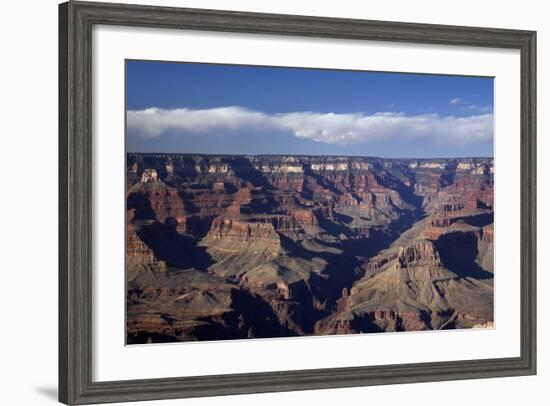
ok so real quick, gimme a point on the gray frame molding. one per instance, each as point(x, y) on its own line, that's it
point(75, 180)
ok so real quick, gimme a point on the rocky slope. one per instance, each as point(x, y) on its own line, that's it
point(225, 247)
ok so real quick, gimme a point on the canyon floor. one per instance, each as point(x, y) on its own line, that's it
point(230, 247)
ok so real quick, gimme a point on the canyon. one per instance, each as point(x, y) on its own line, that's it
point(230, 247)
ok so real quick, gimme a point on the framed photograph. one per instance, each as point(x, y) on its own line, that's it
point(258, 203)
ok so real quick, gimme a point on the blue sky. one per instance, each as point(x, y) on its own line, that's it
point(210, 108)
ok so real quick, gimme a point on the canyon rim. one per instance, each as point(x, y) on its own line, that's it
point(254, 214)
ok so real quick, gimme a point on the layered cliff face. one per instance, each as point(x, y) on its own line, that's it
point(222, 247)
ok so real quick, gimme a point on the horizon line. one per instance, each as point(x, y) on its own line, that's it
point(307, 155)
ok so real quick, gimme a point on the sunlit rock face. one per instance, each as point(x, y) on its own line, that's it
point(230, 247)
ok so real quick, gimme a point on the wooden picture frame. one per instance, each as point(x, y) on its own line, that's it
point(76, 20)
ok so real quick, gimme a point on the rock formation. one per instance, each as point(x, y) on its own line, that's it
point(223, 247)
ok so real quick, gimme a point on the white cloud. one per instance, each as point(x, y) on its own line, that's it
point(478, 108)
point(331, 128)
point(471, 107)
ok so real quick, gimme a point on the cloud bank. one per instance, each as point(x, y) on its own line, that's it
point(328, 128)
